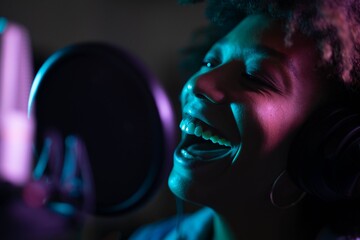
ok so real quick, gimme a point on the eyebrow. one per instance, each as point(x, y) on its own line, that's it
point(286, 62)
point(283, 59)
point(258, 49)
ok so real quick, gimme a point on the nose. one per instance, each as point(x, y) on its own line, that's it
point(216, 85)
point(208, 88)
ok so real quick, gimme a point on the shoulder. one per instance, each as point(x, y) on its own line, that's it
point(193, 226)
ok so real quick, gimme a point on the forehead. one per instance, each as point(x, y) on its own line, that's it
point(259, 38)
point(260, 32)
point(253, 29)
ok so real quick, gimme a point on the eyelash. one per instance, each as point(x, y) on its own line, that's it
point(267, 84)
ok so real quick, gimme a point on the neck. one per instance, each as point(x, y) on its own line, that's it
point(270, 224)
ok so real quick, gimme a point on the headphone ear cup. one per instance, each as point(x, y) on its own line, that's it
point(324, 158)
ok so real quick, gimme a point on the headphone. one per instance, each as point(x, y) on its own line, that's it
point(324, 159)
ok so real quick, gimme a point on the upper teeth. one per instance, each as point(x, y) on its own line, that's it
point(193, 128)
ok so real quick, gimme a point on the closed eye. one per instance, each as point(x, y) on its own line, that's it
point(260, 83)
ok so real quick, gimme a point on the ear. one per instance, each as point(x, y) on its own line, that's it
point(324, 159)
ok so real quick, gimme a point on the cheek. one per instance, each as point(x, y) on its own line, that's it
point(273, 125)
point(276, 124)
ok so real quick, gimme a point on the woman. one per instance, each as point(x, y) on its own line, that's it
point(258, 85)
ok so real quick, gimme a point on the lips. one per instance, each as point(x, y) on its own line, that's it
point(203, 143)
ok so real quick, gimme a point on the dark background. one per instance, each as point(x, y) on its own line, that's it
point(155, 31)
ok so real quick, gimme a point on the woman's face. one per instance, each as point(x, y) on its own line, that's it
point(241, 110)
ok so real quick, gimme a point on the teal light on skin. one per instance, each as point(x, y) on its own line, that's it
point(255, 91)
point(3, 23)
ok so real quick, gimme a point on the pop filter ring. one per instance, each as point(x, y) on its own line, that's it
point(158, 108)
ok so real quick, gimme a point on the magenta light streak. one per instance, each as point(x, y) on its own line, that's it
point(16, 130)
point(164, 106)
point(167, 115)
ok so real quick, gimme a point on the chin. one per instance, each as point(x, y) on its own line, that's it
point(196, 175)
point(179, 185)
point(198, 183)
point(186, 189)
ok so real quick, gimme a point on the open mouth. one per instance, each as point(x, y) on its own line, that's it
point(201, 142)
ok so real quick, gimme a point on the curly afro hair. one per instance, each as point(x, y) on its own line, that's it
point(335, 24)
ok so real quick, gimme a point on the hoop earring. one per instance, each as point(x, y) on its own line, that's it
point(273, 190)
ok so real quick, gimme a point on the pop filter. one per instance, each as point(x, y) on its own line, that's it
point(107, 98)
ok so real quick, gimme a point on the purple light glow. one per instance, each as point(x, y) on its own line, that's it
point(167, 116)
point(16, 130)
point(16, 69)
point(166, 111)
point(15, 148)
